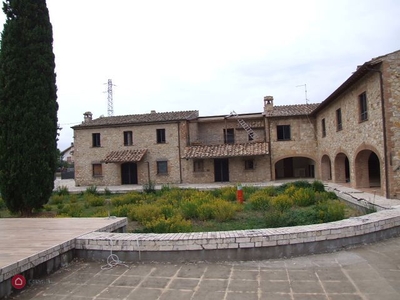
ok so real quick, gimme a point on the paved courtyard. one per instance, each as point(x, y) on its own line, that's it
point(367, 272)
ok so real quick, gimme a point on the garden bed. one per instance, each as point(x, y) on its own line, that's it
point(189, 210)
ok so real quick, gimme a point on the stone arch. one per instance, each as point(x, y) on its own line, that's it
point(294, 167)
point(342, 168)
point(326, 168)
point(367, 169)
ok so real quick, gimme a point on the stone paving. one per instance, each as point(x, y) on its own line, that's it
point(368, 272)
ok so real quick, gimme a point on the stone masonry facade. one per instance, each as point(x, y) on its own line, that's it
point(351, 137)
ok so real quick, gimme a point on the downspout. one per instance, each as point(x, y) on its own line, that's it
point(268, 140)
point(179, 153)
point(387, 194)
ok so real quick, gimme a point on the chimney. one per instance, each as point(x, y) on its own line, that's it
point(87, 117)
point(152, 111)
point(268, 104)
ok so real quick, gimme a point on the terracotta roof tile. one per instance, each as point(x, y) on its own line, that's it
point(142, 118)
point(125, 156)
point(226, 150)
point(292, 110)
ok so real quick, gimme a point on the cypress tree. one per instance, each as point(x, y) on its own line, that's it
point(28, 106)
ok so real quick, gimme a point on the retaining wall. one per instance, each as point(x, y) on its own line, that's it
point(241, 244)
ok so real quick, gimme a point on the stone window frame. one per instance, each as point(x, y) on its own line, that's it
point(198, 165)
point(363, 107)
point(162, 167)
point(283, 132)
point(323, 126)
point(128, 138)
point(96, 140)
point(97, 169)
point(161, 139)
point(339, 122)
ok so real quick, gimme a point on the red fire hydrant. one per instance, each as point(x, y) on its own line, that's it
point(239, 194)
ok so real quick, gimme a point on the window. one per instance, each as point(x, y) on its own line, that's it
point(128, 140)
point(249, 164)
point(363, 107)
point(97, 170)
point(323, 128)
point(283, 132)
point(339, 125)
point(229, 136)
point(162, 167)
point(95, 139)
point(198, 165)
point(160, 136)
point(251, 136)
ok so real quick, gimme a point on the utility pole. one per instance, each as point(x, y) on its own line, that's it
point(110, 107)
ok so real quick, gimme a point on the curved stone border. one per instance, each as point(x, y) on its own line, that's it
point(241, 244)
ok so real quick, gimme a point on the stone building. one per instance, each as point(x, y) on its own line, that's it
point(351, 137)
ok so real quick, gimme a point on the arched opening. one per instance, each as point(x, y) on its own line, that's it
point(368, 171)
point(295, 167)
point(326, 169)
point(342, 168)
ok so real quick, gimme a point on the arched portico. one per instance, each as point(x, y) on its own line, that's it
point(342, 168)
point(295, 167)
point(367, 169)
point(326, 168)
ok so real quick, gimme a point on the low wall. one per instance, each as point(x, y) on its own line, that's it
point(241, 244)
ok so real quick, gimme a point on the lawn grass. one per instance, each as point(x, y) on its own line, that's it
point(190, 210)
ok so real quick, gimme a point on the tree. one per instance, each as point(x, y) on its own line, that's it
point(28, 106)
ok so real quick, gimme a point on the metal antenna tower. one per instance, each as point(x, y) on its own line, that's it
point(305, 91)
point(110, 110)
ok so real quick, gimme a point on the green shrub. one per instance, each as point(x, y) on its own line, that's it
point(145, 213)
point(129, 198)
point(282, 202)
point(206, 211)
point(101, 212)
point(304, 197)
point(62, 190)
point(167, 210)
point(169, 225)
point(73, 210)
point(275, 218)
point(259, 200)
point(329, 211)
point(189, 209)
point(223, 210)
point(2, 203)
point(56, 199)
point(318, 186)
point(91, 190)
point(122, 210)
point(93, 200)
point(229, 193)
point(47, 207)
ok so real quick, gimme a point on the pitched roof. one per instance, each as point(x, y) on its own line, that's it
point(141, 118)
point(226, 150)
point(125, 156)
point(292, 110)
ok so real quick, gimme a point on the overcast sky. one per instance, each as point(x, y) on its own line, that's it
point(212, 56)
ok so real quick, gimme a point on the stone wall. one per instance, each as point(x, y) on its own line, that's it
point(301, 144)
point(144, 137)
point(356, 136)
point(391, 86)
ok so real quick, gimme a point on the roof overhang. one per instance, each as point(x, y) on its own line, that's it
point(226, 150)
point(124, 156)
